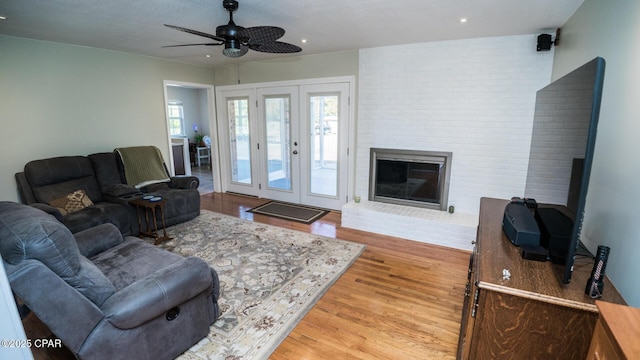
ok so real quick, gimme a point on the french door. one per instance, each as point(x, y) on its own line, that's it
point(278, 128)
point(325, 125)
point(287, 143)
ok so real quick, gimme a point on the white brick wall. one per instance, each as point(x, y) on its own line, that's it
point(425, 225)
point(472, 97)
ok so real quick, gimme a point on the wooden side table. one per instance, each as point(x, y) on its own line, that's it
point(150, 208)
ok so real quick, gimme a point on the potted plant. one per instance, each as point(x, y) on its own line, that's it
point(198, 139)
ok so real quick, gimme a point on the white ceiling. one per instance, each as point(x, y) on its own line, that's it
point(136, 26)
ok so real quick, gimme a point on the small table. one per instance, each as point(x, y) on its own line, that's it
point(203, 153)
point(150, 208)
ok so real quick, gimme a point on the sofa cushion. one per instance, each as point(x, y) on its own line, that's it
point(116, 263)
point(91, 282)
point(72, 202)
point(28, 233)
point(106, 169)
point(100, 213)
point(182, 205)
point(56, 177)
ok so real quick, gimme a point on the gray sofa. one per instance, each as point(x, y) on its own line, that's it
point(105, 296)
point(101, 177)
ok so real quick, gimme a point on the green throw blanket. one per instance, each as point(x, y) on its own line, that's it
point(143, 165)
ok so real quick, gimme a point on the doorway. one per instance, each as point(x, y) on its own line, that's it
point(190, 116)
point(287, 142)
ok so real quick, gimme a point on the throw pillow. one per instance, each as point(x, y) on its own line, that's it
point(71, 203)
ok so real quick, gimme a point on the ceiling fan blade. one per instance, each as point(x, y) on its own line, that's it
point(235, 53)
point(207, 44)
point(238, 40)
point(275, 47)
point(262, 34)
point(195, 32)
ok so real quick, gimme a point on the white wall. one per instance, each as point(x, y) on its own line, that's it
point(195, 107)
point(475, 98)
point(611, 29)
point(61, 100)
point(11, 325)
point(343, 63)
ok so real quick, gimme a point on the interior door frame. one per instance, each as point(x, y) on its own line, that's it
point(213, 128)
point(351, 137)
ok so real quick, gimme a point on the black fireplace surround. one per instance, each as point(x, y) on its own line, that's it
point(410, 177)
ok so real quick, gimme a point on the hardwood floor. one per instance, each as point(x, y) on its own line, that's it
point(400, 300)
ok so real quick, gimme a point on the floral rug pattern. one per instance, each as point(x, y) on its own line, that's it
point(270, 277)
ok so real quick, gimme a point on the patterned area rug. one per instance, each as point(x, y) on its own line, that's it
point(270, 278)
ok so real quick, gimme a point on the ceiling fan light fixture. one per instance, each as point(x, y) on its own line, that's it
point(232, 45)
point(230, 52)
point(232, 48)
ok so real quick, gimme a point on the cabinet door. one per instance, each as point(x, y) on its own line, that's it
point(601, 346)
point(514, 327)
point(468, 311)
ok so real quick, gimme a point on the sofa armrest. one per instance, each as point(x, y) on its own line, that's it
point(184, 182)
point(97, 239)
point(66, 312)
point(24, 188)
point(51, 210)
point(154, 295)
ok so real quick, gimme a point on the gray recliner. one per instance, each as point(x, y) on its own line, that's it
point(105, 296)
point(47, 179)
point(183, 198)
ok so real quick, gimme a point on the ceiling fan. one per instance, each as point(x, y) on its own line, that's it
point(237, 40)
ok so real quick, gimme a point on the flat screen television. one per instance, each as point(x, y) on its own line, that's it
point(562, 147)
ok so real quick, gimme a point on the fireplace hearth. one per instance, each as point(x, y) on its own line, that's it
point(410, 177)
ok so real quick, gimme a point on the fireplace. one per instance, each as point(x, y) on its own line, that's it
point(410, 177)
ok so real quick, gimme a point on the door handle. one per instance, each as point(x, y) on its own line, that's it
point(295, 152)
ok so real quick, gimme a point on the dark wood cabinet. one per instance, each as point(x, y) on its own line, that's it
point(528, 315)
point(178, 159)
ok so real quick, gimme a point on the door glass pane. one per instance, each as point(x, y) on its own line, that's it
point(278, 142)
point(323, 169)
point(238, 115)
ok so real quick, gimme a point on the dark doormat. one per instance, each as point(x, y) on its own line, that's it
point(295, 212)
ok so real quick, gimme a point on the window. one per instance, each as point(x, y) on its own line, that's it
point(176, 118)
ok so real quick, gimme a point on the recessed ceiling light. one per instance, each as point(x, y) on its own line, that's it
point(2, 17)
point(304, 41)
point(463, 20)
point(208, 56)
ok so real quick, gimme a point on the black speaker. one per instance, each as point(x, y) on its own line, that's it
point(555, 233)
point(595, 284)
point(544, 42)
